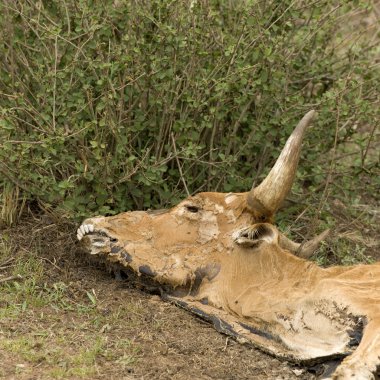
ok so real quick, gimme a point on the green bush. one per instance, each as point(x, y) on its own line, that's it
point(107, 105)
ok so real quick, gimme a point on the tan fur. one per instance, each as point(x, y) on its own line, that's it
point(310, 310)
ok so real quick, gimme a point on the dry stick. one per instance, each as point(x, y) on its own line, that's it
point(34, 126)
point(67, 18)
point(225, 345)
point(6, 262)
point(179, 165)
point(368, 144)
point(215, 126)
point(24, 142)
point(311, 34)
point(237, 124)
point(11, 179)
point(333, 159)
point(11, 278)
point(54, 265)
point(253, 42)
point(7, 267)
point(55, 78)
point(348, 39)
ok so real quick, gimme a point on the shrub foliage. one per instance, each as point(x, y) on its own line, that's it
point(107, 105)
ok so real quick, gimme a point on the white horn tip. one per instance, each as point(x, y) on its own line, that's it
point(309, 116)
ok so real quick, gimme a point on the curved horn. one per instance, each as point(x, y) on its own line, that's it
point(268, 196)
point(306, 249)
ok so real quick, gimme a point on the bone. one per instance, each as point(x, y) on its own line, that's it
point(99, 244)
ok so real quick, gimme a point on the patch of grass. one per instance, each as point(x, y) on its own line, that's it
point(61, 373)
point(342, 252)
point(63, 328)
point(59, 355)
point(127, 350)
point(65, 350)
point(354, 228)
point(12, 204)
point(88, 355)
point(5, 248)
point(32, 291)
point(25, 347)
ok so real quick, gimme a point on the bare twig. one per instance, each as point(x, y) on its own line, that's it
point(375, 125)
point(50, 262)
point(225, 345)
point(7, 266)
point(11, 278)
point(7, 262)
point(67, 18)
point(179, 165)
point(7, 174)
point(55, 78)
point(329, 179)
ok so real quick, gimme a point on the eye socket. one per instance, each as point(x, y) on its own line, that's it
point(192, 208)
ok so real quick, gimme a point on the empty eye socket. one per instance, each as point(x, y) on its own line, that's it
point(192, 208)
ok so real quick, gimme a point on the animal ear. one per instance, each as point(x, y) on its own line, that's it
point(254, 235)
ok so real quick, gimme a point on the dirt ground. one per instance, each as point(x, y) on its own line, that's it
point(64, 317)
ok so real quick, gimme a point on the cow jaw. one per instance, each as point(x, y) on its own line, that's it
point(95, 240)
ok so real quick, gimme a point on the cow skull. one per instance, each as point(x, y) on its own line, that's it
point(220, 257)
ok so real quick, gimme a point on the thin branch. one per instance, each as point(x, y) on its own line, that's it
point(11, 278)
point(179, 165)
point(54, 265)
point(7, 262)
point(375, 125)
point(55, 78)
point(7, 267)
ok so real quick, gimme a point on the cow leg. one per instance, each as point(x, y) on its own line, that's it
point(362, 364)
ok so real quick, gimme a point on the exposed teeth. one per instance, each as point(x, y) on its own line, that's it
point(84, 229)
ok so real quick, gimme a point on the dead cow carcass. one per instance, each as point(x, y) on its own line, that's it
point(220, 257)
